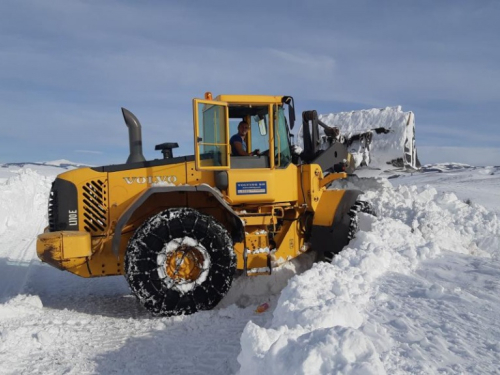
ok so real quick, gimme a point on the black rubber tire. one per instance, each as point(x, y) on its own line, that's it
point(144, 274)
point(357, 207)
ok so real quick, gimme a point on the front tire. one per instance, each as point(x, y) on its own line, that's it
point(359, 206)
point(353, 217)
point(180, 261)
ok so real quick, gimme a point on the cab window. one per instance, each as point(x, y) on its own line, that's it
point(211, 133)
point(283, 155)
point(257, 116)
point(259, 131)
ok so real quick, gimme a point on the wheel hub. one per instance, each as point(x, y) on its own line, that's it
point(183, 264)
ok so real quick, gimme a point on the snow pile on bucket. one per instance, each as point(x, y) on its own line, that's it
point(394, 148)
point(321, 323)
point(385, 148)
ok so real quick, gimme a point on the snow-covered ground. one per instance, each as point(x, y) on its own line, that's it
point(416, 292)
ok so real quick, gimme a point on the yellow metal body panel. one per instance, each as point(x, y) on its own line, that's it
point(258, 220)
point(309, 178)
point(239, 250)
point(257, 241)
point(126, 186)
point(258, 264)
point(65, 249)
point(332, 177)
point(257, 253)
point(249, 99)
point(325, 212)
point(289, 241)
point(263, 185)
point(255, 248)
point(75, 245)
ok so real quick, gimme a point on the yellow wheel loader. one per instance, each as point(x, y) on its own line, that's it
point(178, 228)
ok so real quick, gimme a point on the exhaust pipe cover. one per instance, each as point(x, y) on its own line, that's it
point(135, 137)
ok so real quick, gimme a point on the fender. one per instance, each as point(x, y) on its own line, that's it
point(237, 231)
point(331, 222)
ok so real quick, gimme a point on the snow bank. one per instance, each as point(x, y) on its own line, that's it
point(61, 163)
point(24, 202)
point(320, 324)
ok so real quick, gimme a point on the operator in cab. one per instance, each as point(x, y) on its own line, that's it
point(237, 141)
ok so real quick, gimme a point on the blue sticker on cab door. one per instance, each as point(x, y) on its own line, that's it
point(254, 187)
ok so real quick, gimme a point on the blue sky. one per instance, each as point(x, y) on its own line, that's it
point(66, 68)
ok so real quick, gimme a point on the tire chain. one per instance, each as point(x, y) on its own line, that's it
point(357, 207)
point(142, 272)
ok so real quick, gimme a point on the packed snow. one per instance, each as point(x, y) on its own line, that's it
point(416, 292)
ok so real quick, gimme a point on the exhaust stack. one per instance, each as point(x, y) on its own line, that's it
point(135, 137)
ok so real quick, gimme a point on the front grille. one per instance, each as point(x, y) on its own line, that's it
point(94, 206)
point(63, 202)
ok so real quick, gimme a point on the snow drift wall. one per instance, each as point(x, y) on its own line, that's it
point(321, 324)
point(24, 202)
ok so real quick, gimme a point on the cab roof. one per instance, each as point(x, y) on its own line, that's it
point(250, 99)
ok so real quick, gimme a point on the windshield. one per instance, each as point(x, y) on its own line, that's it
point(281, 143)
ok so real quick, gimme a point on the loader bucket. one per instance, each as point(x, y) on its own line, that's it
point(381, 141)
point(392, 145)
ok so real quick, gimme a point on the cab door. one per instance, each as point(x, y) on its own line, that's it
point(211, 135)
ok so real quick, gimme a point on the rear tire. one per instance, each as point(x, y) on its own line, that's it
point(180, 261)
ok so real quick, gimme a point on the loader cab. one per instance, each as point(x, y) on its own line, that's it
point(257, 137)
point(246, 180)
point(215, 121)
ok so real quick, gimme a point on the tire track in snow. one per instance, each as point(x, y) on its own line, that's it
point(64, 340)
point(205, 343)
point(104, 329)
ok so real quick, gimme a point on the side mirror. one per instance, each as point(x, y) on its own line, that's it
point(261, 121)
point(291, 109)
point(262, 127)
